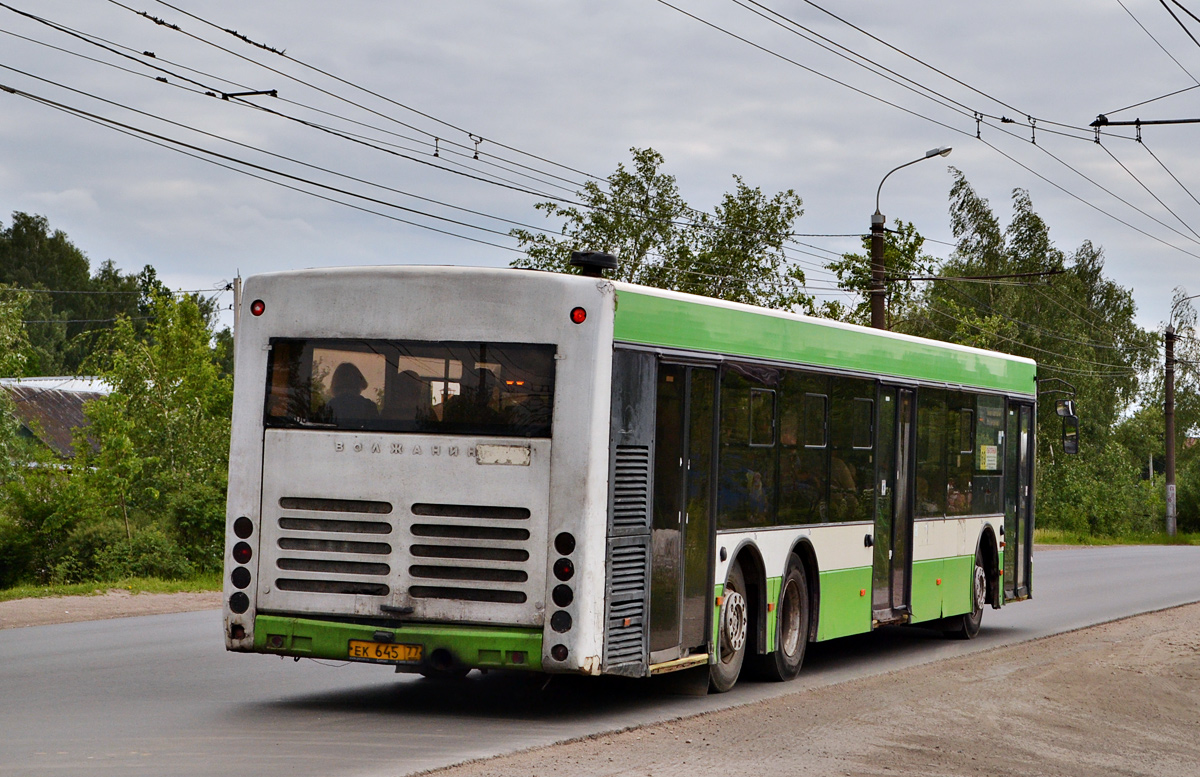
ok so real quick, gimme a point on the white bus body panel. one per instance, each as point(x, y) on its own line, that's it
point(565, 486)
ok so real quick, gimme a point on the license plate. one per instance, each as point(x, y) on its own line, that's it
point(388, 652)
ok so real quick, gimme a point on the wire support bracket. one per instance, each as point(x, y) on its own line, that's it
point(267, 92)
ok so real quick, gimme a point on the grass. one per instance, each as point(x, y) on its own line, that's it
point(1060, 537)
point(137, 585)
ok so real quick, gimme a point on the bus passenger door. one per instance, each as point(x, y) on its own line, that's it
point(681, 532)
point(893, 505)
point(1018, 502)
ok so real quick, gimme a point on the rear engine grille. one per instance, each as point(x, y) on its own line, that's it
point(464, 553)
point(631, 488)
point(625, 616)
point(335, 546)
point(469, 573)
point(332, 587)
point(347, 526)
point(329, 525)
point(333, 567)
point(471, 511)
point(335, 505)
point(479, 554)
point(470, 532)
point(475, 552)
point(466, 594)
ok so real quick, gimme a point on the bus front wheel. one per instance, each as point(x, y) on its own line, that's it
point(733, 628)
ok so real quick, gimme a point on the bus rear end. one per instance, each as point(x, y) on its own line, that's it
point(416, 466)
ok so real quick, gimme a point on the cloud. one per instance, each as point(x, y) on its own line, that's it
point(69, 201)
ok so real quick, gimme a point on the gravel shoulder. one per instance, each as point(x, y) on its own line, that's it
point(1119, 698)
point(114, 604)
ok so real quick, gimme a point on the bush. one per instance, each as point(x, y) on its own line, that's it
point(1187, 496)
point(149, 553)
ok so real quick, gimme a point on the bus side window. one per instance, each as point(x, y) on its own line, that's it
point(803, 450)
point(746, 485)
point(931, 453)
point(852, 462)
point(960, 459)
point(989, 454)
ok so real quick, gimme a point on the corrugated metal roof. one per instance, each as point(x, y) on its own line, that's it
point(50, 414)
point(62, 383)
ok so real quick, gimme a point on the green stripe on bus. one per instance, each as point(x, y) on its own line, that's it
point(926, 593)
point(845, 603)
point(654, 320)
point(477, 646)
point(773, 586)
point(932, 599)
point(957, 585)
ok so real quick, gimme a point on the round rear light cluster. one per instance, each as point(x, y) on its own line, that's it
point(578, 315)
point(562, 595)
point(258, 307)
point(242, 552)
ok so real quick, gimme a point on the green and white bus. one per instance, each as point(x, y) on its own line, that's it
point(443, 468)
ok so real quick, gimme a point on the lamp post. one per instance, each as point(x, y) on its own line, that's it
point(878, 316)
point(1169, 414)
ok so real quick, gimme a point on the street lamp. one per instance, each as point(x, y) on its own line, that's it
point(1169, 413)
point(878, 318)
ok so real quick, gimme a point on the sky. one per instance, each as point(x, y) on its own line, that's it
point(549, 93)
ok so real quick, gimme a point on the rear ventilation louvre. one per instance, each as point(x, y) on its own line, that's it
point(331, 525)
point(439, 554)
point(631, 488)
point(471, 511)
point(335, 505)
point(625, 610)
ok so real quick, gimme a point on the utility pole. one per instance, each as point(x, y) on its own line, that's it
point(1169, 416)
point(878, 311)
point(878, 276)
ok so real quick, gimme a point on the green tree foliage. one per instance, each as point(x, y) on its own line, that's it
point(145, 493)
point(14, 340)
point(733, 253)
point(34, 257)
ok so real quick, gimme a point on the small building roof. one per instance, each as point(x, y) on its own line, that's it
point(51, 408)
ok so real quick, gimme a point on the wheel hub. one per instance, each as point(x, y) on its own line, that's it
point(980, 588)
point(733, 621)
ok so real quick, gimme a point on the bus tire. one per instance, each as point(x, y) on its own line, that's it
point(732, 632)
point(967, 624)
point(793, 620)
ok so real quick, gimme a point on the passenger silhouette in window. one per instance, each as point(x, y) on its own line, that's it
point(408, 398)
point(348, 406)
point(478, 403)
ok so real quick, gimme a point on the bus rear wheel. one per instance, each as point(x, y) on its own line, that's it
point(733, 628)
point(967, 624)
point(792, 624)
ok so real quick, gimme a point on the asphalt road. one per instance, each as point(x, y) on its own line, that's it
point(159, 695)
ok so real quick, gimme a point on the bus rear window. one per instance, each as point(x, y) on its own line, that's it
point(503, 390)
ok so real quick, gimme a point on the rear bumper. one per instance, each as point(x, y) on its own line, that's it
point(477, 647)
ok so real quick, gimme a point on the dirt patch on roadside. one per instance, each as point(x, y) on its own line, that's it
point(114, 604)
point(1120, 698)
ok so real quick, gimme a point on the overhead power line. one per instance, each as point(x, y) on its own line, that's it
point(1035, 123)
point(1164, 49)
point(214, 157)
point(471, 135)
